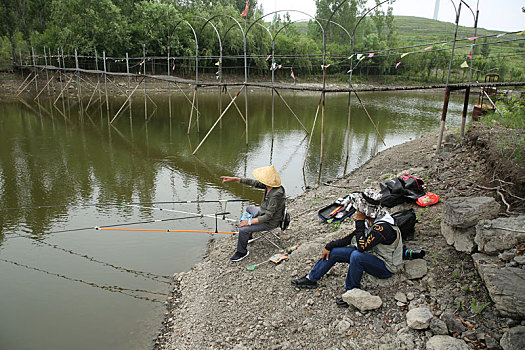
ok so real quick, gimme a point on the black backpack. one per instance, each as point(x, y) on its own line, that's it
point(406, 221)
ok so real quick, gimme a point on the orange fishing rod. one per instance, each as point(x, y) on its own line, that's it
point(161, 230)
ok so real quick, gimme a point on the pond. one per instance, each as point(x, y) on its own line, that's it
point(66, 284)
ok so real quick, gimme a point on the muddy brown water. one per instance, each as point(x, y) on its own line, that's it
point(65, 284)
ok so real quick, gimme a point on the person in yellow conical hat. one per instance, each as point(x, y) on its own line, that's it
point(266, 217)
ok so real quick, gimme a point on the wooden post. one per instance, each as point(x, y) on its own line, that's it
point(106, 83)
point(169, 87)
point(34, 68)
point(127, 71)
point(145, 96)
point(443, 117)
point(47, 73)
point(127, 68)
point(79, 91)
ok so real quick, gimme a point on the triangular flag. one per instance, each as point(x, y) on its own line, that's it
point(403, 55)
point(292, 75)
point(362, 57)
point(397, 64)
point(473, 38)
point(428, 48)
point(500, 35)
point(267, 58)
point(359, 55)
point(371, 54)
point(245, 12)
point(351, 57)
point(470, 54)
point(521, 33)
point(443, 44)
point(218, 63)
point(464, 65)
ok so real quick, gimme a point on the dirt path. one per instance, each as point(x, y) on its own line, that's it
point(223, 305)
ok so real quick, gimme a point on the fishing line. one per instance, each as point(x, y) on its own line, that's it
point(149, 275)
point(121, 203)
point(114, 289)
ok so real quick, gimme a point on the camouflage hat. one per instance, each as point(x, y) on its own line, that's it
point(368, 203)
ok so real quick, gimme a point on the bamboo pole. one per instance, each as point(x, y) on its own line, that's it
point(47, 73)
point(291, 110)
point(106, 83)
point(222, 114)
point(34, 68)
point(144, 81)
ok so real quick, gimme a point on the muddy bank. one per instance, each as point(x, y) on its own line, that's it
point(223, 305)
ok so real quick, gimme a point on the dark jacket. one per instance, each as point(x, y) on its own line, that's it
point(272, 205)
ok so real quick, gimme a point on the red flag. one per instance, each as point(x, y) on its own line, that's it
point(292, 75)
point(245, 12)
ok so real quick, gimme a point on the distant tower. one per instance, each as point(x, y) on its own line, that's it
point(436, 10)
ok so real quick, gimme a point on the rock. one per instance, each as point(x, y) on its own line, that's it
point(410, 296)
point(362, 300)
point(505, 285)
point(513, 339)
point(445, 342)
point(400, 296)
point(416, 268)
point(342, 326)
point(520, 259)
point(507, 255)
point(494, 236)
point(419, 318)
point(461, 238)
point(453, 324)
point(492, 344)
point(464, 212)
point(438, 327)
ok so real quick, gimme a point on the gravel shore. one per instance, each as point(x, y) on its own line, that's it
point(223, 305)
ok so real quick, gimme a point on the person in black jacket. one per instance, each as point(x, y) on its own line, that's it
point(378, 249)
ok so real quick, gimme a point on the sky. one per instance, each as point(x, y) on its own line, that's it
point(503, 15)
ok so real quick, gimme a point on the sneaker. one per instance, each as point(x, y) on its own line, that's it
point(238, 256)
point(304, 282)
point(341, 303)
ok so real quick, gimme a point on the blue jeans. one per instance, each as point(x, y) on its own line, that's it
point(357, 263)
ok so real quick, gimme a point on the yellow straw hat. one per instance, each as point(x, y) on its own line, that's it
point(268, 176)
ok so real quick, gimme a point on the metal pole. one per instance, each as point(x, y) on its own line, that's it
point(245, 79)
point(445, 103)
point(349, 108)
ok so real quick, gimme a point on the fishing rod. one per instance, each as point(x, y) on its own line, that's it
point(123, 203)
point(183, 212)
point(164, 230)
point(122, 224)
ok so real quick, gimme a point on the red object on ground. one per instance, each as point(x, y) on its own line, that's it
point(428, 199)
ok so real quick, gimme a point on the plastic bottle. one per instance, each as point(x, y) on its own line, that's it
point(409, 254)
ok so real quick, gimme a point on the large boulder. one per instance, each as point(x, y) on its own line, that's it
point(505, 285)
point(465, 212)
point(494, 236)
point(362, 300)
